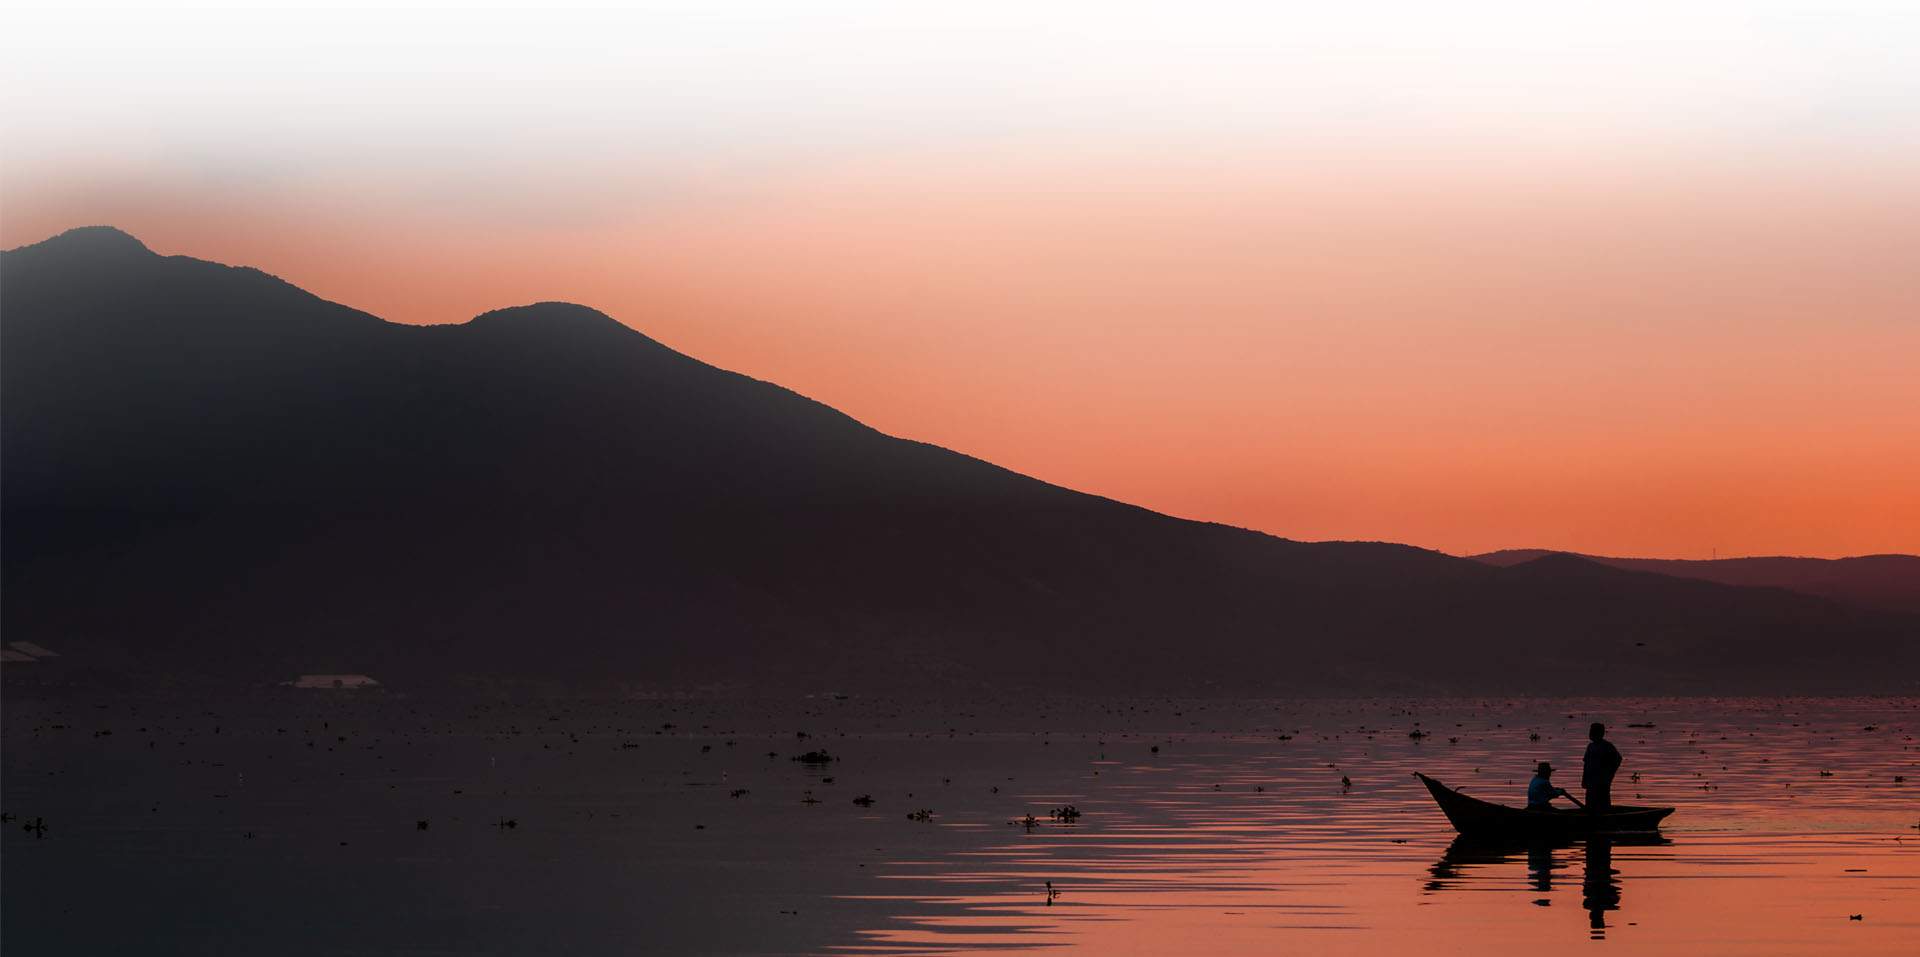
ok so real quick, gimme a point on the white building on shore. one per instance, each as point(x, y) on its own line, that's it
point(341, 682)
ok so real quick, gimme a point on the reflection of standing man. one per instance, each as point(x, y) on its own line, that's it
point(1599, 890)
point(1597, 770)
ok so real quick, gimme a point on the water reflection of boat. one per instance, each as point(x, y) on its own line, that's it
point(1474, 816)
point(1599, 884)
point(1468, 852)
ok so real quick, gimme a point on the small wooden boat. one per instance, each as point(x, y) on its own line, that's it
point(1484, 818)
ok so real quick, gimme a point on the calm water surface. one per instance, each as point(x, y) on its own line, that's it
point(293, 826)
point(1790, 823)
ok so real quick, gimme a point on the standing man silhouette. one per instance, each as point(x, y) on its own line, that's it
point(1598, 768)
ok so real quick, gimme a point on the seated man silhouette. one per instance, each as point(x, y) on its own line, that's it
point(1598, 768)
point(1540, 790)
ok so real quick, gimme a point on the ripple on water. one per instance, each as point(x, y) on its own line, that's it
point(1244, 844)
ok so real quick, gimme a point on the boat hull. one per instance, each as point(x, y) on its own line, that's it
point(1483, 818)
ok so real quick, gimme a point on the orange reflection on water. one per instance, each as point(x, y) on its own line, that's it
point(1239, 846)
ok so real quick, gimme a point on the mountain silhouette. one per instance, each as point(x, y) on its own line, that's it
point(211, 472)
point(1874, 581)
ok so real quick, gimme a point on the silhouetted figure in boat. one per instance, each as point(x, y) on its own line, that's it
point(1597, 771)
point(1540, 790)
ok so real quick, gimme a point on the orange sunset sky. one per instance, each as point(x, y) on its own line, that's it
point(1630, 282)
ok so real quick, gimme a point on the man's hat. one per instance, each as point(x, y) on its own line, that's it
point(1544, 768)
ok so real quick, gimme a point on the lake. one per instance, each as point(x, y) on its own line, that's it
point(375, 823)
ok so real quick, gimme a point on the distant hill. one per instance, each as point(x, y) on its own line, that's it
point(1874, 581)
point(210, 471)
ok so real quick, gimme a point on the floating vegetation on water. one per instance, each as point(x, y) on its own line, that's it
point(1208, 834)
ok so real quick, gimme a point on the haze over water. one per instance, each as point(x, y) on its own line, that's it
point(212, 829)
point(645, 477)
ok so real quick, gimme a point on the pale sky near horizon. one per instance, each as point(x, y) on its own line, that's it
point(1619, 278)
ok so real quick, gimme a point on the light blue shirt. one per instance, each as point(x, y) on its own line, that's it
point(1540, 793)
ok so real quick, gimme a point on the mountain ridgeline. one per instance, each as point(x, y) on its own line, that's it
point(1875, 581)
point(209, 471)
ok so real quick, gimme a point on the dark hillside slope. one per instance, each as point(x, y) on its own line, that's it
point(208, 470)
